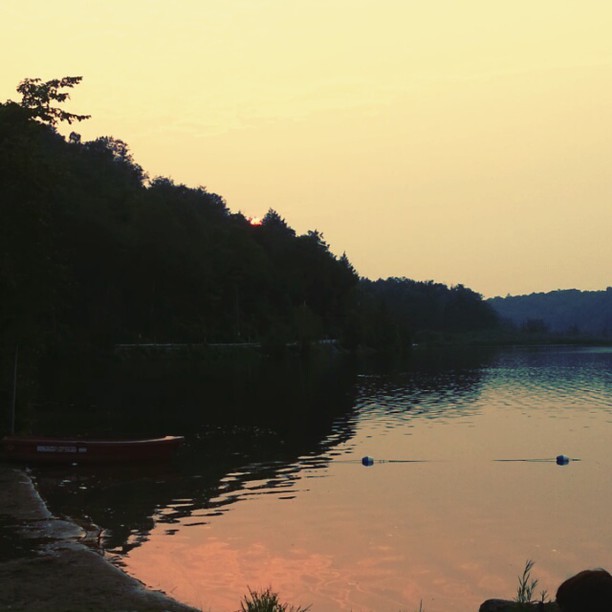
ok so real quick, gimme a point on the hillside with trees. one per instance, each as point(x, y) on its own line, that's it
point(565, 312)
point(94, 252)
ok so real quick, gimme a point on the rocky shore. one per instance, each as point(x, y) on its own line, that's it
point(45, 566)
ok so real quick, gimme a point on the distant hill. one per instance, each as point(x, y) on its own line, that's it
point(568, 311)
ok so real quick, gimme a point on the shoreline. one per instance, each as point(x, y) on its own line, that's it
point(46, 567)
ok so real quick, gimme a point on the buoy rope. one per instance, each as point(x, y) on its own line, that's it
point(369, 461)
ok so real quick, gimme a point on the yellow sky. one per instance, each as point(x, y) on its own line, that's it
point(464, 141)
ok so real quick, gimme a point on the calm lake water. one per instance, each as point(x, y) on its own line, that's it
point(438, 518)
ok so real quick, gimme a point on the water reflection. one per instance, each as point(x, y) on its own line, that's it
point(286, 501)
point(432, 395)
point(262, 424)
point(297, 416)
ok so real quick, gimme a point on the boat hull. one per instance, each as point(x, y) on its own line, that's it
point(57, 450)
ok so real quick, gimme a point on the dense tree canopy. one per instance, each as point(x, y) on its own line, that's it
point(393, 311)
point(93, 252)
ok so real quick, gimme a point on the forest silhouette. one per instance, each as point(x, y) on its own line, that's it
point(94, 252)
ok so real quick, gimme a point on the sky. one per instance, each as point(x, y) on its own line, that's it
point(460, 141)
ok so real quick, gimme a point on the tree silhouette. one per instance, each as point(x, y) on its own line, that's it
point(93, 254)
point(37, 97)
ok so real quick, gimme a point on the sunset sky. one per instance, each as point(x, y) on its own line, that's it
point(464, 141)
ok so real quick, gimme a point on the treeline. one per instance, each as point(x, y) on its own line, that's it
point(93, 253)
point(395, 311)
point(564, 312)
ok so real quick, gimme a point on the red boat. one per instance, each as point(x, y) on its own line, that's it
point(58, 450)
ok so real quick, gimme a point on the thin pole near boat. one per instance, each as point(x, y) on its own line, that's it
point(14, 394)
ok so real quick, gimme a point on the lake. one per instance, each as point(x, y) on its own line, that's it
point(464, 487)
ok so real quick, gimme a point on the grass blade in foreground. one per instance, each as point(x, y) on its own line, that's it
point(266, 601)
